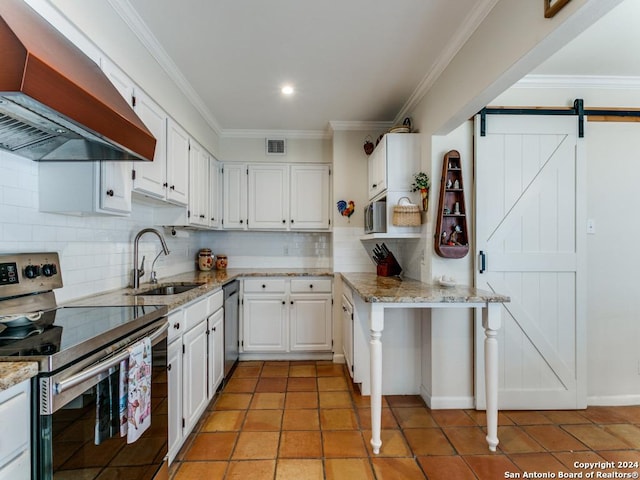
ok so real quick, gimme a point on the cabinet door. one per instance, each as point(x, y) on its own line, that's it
point(347, 333)
point(150, 178)
point(115, 187)
point(198, 183)
point(377, 169)
point(215, 193)
point(194, 375)
point(264, 323)
point(268, 197)
point(177, 163)
point(234, 191)
point(216, 351)
point(310, 323)
point(174, 384)
point(309, 200)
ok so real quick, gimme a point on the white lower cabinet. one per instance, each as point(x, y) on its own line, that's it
point(282, 315)
point(15, 432)
point(194, 354)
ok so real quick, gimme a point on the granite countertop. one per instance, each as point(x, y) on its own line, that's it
point(375, 289)
point(13, 373)
point(210, 281)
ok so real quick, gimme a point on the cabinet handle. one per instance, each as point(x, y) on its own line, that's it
point(176, 326)
point(172, 187)
point(110, 193)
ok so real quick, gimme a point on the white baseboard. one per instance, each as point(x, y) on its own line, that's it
point(285, 356)
point(613, 400)
point(444, 403)
point(338, 358)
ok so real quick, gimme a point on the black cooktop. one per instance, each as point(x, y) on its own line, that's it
point(64, 335)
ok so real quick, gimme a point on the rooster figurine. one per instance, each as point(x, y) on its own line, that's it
point(346, 209)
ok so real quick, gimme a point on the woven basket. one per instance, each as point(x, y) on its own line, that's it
point(406, 214)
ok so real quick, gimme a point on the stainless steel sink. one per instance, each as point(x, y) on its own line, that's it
point(169, 289)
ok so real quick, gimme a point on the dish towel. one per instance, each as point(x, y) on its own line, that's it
point(139, 389)
point(123, 396)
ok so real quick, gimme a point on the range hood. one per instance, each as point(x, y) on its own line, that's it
point(55, 102)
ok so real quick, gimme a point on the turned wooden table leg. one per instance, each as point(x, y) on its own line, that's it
point(375, 351)
point(491, 324)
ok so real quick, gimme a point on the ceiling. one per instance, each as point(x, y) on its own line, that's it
point(354, 61)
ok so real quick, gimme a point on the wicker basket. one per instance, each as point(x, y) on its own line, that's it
point(406, 214)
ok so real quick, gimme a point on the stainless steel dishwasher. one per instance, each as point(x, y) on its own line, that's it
point(231, 321)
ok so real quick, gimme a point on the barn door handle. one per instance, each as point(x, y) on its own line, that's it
point(483, 261)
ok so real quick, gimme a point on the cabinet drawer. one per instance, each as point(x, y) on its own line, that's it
point(176, 325)
point(270, 285)
point(194, 314)
point(14, 412)
point(308, 285)
point(216, 301)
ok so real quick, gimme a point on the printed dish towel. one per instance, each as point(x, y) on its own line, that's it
point(139, 388)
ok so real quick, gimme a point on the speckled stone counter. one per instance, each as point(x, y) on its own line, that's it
point(210, 281)
point(13, 373)
point(375, 289)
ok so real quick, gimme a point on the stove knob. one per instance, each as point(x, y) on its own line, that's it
point(32, 271)
point(49, 269)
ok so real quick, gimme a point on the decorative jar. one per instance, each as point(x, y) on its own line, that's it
point(205, 259)
point(221, 262)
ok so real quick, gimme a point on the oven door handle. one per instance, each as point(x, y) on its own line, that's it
point(100, 367)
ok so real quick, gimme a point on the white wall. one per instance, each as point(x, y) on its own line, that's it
point(252, 150)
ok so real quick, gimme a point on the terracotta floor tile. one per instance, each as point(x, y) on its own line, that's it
point(428, 441)
point(275, 371)
point(388, 420)
point(296, 419)
point(338, 419)
point(595, 437)
point(256, 446)
point(241, 385)
point(272, 384)
point(326, 384)
point(479, 417)
point(277, 363)
point(251, 363)
point(569, 459)
point(553, 438)
point(300, 444)
point(335, 370)
point(491, 467)
point(452, 418)
point(414, 417)
point(396, 469)
point(537, 462)
point(348, 469)
point(242, 371)
point(631, 413)
point(393, 444)
point(253, 469)
point(630, 434)
point(467, 440)
point(343, 444)
point(621, 456)
point(302, 371)
point(224, 420)
point(603, 415)
point(298, 400)
point(514, 440)
point(404, 401)
point(365, 400)
point(233, 401)
point(299, 469)
point(264, 401)
point(212, 446)
point(526, 417)
point(200, 470)
point(302, 384)
point(263, 420)
point(565, 417)
point(446, 468)
point(335, 400)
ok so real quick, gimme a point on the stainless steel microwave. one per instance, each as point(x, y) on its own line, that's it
point(375, 217)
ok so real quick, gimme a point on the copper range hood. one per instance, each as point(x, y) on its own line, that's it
point(55, 103)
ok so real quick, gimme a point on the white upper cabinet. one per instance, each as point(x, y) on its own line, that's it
point(402, 151)
point(268, 197)
point(234, 194)
point(177, 164)
point(215, 193)
point(115, 187)
point(309, 197)
point(198, 185)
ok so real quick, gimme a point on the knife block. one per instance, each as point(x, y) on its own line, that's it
point(389, 267)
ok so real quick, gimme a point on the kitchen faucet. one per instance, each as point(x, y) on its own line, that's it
point(139, 272)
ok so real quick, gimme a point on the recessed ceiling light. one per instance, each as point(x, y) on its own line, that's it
point(287, 90)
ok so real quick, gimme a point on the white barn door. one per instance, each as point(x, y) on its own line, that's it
point(530, 226)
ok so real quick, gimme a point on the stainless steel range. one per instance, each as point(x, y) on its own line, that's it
point(80, 350)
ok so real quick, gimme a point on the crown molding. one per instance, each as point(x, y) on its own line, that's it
point(467, 28)
point(133, 20)
point(337, 125)
point(288, 134)
point(607, 82)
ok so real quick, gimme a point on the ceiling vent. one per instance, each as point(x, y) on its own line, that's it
point(276, 146)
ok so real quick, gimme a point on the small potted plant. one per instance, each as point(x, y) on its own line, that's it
point(421, 183)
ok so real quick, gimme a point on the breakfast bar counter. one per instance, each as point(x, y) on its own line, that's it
point(381, 293)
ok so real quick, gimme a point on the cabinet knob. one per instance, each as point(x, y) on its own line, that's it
point(172, 187)
point(292, 220)
point(291, 302)
point(169, 367)
point(213, 219)
point(284, 221)
point(176, 325)
point(344, 309)
point(311, 285)
point(214, 329)
point(110, 193)
point(264, 286)
point(201, 216)
point(283, 302)
point(241, 221)
point(375, 185)
point(165, 185)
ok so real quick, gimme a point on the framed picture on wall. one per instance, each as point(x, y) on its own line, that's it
point(551, 7)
